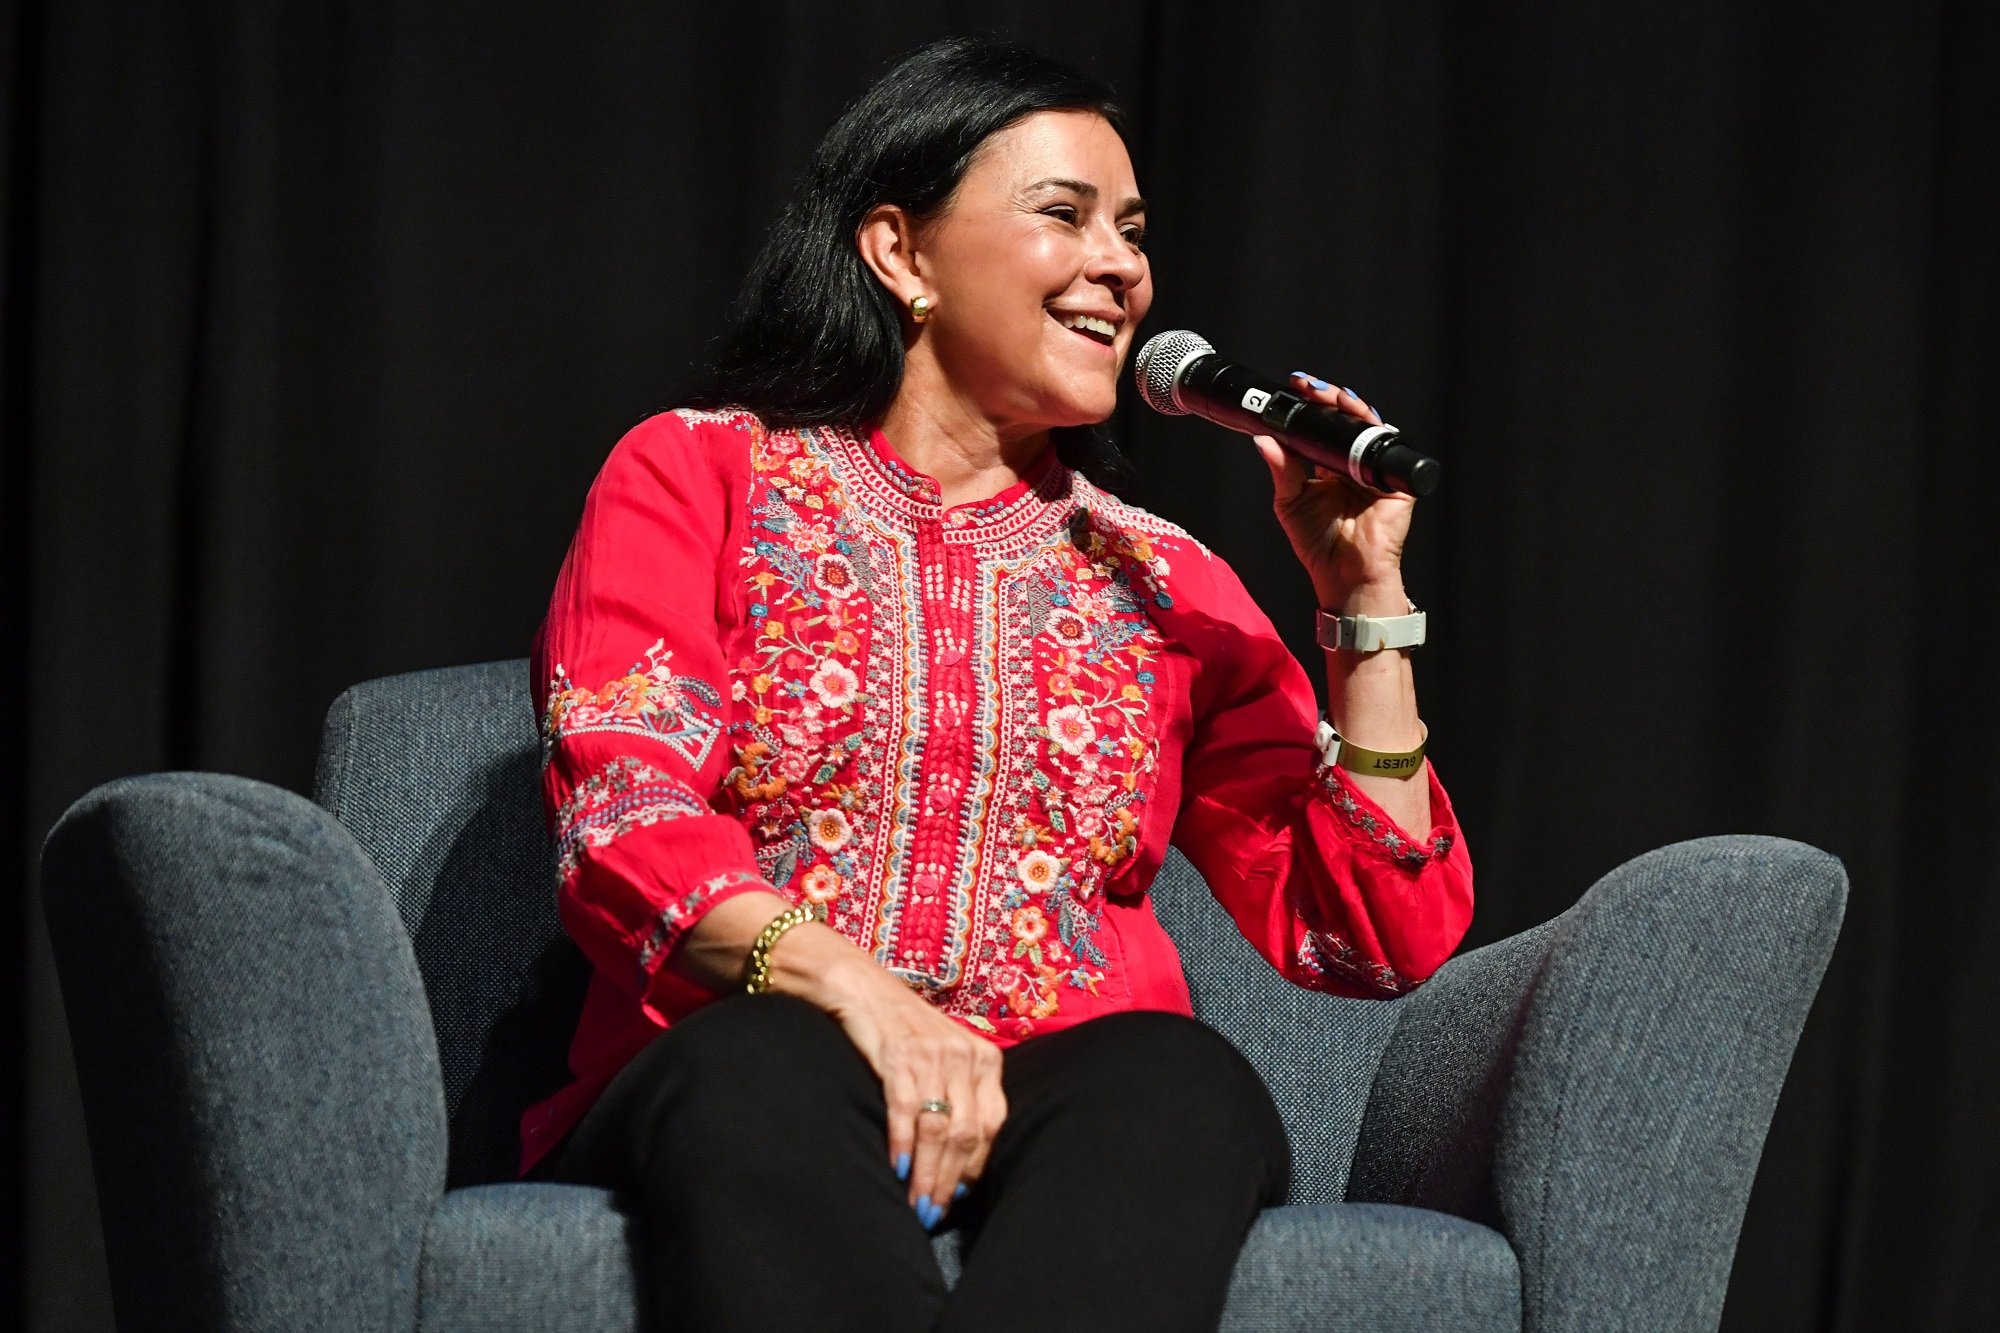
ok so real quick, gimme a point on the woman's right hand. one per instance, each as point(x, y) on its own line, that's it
point(919, 1054)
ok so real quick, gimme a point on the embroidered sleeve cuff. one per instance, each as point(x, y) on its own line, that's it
point(1327, 961)
point(1367, 822)
point(640, 858)
point(679, 914)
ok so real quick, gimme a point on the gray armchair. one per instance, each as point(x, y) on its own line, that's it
point(304, 1033)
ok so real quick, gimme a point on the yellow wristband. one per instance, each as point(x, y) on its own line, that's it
point(1337, 749)
point(757, 968)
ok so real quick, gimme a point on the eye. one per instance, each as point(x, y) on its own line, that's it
point(1135, 236)
point(1066, 212)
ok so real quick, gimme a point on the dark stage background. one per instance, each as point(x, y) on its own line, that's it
point(319, 319)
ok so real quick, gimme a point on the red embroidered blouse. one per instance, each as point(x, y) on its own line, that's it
point(773, 660)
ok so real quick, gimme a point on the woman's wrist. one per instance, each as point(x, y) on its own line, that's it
point(1371, 696)
point(1386, 597)
point(819, 964)
point(811, 960)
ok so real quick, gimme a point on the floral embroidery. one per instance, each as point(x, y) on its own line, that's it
point(1069, 629)
point(834, 743)
point(801, 748)
point(1029, 982)
point(1411, 854)
point(1126, 535)
point(1070, 727)
point(834, 575)
point(1039, 871)
point(1092, 651)
point(835, 684)
point(1322, 953)
point(625, 794)
point(648, 700)
point(829, 829)
point(821, 884)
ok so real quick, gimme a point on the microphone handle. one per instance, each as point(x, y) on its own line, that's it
point(1241, 399)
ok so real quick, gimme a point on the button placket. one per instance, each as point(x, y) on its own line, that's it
point(948, 689)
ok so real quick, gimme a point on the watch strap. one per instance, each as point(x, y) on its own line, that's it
point(1369, 634)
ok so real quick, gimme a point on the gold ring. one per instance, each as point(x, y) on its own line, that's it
point(935, 1104)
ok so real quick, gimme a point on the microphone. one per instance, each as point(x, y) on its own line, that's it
point(1178, 373)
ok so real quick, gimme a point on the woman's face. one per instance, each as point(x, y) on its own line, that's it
point(1043, 232)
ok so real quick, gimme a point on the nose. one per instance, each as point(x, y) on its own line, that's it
point(1113, 261)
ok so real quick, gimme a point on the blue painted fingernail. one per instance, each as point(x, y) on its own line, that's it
point(1313, 380)
point(959, 1193)
point(928, 1212)
point(903, 1167)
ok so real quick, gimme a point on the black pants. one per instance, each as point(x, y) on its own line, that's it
point(1137, 1150)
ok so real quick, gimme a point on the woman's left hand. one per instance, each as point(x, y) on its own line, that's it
point(1349, 538)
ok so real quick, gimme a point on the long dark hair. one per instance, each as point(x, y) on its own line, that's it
point(814, 338)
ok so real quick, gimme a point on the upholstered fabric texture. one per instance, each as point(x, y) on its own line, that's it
point(435, 772)
point(1317, 1052)
point(553, 1258)
point(1599, 1088)
point(560, 1259)
point(266, 1117)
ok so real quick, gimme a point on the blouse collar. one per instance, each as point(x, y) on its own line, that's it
point(892, 491)
point(922, 486)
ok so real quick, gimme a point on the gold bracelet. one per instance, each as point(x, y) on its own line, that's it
point(757, 969)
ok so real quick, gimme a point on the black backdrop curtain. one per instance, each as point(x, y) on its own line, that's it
point(319, 319)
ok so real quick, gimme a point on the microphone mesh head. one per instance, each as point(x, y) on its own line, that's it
point(1160, 363)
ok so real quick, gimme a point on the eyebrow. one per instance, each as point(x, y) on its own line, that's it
point(1133, 205)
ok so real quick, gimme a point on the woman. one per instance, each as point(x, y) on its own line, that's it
point(862, 695)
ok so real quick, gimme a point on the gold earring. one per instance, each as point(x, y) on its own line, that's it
point(920, 308)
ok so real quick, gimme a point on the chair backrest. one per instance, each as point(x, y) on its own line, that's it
point(436, 773)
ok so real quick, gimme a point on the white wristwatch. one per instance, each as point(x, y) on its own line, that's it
point(1370, 634)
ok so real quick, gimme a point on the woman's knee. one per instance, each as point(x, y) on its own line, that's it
point(1144, 1043)
point(1177, 1066)
point(774, 1052)
point(741, 1027)
point(739, 1071)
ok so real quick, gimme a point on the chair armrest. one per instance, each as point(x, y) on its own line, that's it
point(259, 1074)
point(1599, 1088)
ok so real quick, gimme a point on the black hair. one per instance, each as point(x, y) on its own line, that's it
point(814, 338)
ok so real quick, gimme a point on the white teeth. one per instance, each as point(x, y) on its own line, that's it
point(1090, 323)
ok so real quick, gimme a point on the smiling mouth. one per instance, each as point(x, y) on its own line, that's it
point(1102, 332)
